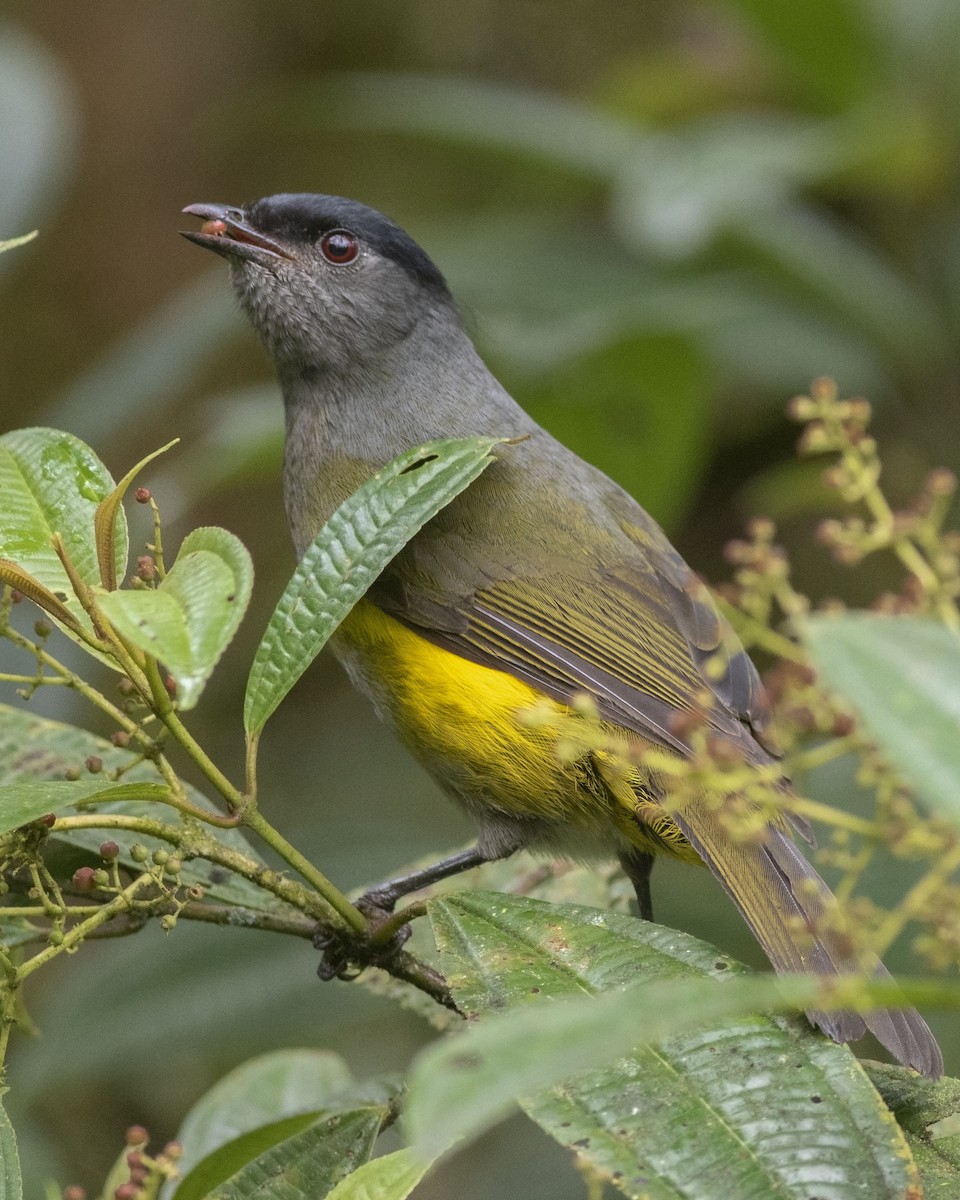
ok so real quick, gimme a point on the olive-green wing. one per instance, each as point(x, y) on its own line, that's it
point(626, 622)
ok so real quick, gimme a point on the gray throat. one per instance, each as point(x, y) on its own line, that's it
point(342, 425)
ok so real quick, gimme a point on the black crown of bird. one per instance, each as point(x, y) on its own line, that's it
point(542, 582)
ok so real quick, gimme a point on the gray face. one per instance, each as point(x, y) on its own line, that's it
point(328, 283)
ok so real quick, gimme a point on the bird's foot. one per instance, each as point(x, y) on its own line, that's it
point(346, 954)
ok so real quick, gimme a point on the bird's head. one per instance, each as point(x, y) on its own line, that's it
point(327, 282)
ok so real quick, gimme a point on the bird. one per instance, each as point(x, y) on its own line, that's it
point(541, 583)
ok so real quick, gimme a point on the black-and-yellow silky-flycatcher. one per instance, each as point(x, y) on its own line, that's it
point(542, 581)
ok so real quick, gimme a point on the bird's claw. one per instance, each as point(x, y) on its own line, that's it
point(345, 955)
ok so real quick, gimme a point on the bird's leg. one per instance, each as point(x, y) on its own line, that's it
point(383, 896)
point(377, 903)
point(638, 867)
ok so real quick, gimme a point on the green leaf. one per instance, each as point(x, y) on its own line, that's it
point(37, 130)
point(263, 1091)
point(11, 1185)
point(772, 1106)
point(190, 618)
point(581, 137)
point(12, 243)
point(902, 677)
point(234, 553)
point(220, 1164)
point(844, 273)
point(716, 174)
point(118, 1175)
point(391, 1177)
point(649, 419)
point(15, 931)
point(929, 1115)
point(242, 442)
point(34, 748)
point(29, 799)
point(348, 554)
point(148, 370)
point(826, 52)
point(105, 519)
point(309, 1164)
point(51, 482)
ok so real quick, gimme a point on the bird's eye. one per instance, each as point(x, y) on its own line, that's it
point(339, 247)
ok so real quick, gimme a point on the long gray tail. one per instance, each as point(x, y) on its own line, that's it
point(785, 903)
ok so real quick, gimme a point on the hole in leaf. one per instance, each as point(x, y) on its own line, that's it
point(421, 462)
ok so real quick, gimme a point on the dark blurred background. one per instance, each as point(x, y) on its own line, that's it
point(662, 218)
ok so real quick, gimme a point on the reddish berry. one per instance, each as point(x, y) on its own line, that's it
point(136, 1135)
point(143, 495)
point(941, 482)
point(843, 724)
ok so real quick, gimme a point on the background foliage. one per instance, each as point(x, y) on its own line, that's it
point(663, 220)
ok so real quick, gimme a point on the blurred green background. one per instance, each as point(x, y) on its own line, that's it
point(663, 218)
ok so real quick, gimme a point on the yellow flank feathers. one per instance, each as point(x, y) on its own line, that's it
point(465, 723)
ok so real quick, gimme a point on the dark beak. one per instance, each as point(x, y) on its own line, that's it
point(226, 230)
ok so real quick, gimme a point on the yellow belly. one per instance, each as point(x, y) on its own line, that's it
point(465, 723)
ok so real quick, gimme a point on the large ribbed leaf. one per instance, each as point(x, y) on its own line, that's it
point(348, 554)
point(309, 1163)
point(390, 1177)
point(34, 749)
point(261, 1094)
point(929, 1115)
point(190, 618)
point(701, 1101)
point(34, 798)
point(11, 1185)
point(902, 676)
point(51, 482)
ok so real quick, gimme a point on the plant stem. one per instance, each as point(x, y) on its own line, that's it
point(411, 970)
point(194, 844)
point(825, 752)
point(832, 816)
point(383, 933)
point(71, 940)
point(169, 716)
point(348, 913)
point(248, 918)
point(754, 633)
point(917, 898)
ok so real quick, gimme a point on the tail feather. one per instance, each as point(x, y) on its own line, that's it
point(785, 903)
